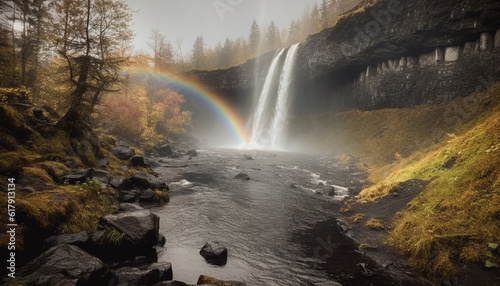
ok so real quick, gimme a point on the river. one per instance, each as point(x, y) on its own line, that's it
point(277, 228)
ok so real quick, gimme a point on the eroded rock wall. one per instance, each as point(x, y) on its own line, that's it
point(390, 53)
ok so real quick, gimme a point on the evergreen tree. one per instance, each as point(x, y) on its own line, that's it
point(324, 14)
point(198, 55)
point(272, 36)
point(254, 39)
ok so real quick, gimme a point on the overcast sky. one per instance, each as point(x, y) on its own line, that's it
point(214, 19)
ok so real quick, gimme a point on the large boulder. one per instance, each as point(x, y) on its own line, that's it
point(121, 183)
point(166, 150)
point(192, 153)
point(146, 275)
point(148, 196)
point(79, 239)
point(102, 176)
point(140, 228)
point(214, 252)
point(138, 161)
point(123, 152)
point(63, 265)
point(146, 181)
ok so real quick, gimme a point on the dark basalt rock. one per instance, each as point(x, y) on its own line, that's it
point(165, 150)
point(140, 227)
point(214, 252)
point(128, 207)
point(192, 153)
point(63, 265)
point(146, 275)
point(242, 176)
point(123, 152)
point(138, 161)
point(147, 181)
point(103, 176)
point(80, 239)
point(147, 196)
point(121, 183)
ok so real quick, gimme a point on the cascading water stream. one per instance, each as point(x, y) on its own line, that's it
point(278, 124)
point(258, 120)
point(268, 129)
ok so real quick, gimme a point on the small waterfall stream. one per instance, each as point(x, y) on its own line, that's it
point(269, 122)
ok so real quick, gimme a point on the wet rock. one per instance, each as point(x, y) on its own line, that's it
point(138, 161)
point(77, 177)
point(103, 176)
point(162, 240)
point(147, 275)
point(147, 181)
point(63, 265)
point(165, 150)
point(147, 196)
point(79, 239)
point(123, 152)
point(192, 153)
point(128, 207)
point(140, 228)
point(247, 157)
point(121, 183)
point(128, 196)
point(214, 252)
point(242, 176)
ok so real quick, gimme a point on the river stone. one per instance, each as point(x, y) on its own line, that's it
point(62, 265)
point(140, 227)
point(121, 183)
point(128, 207)
point(242, 176)
point(128, 196)
point(138, 161)
point(147, 181)
point(148, 275)
point(165, 150)
point(192, 153)
point(123, 152)
point(79, 239)
point(103, 176)
point(214, 252)
point(147, 196)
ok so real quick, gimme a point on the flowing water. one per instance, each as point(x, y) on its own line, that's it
point(278, 124)
point(277, 229)
point(269, 120)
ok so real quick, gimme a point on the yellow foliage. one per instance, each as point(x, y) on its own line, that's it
point(374, 223)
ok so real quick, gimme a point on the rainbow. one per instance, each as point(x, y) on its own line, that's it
point(231, 120)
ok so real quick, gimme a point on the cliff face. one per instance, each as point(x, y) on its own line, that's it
point(389, 53)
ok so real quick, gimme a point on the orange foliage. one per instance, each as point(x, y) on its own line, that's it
point(120, 115)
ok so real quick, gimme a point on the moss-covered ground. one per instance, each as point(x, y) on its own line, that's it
point(455, 220)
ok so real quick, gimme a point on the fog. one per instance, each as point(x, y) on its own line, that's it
point(216, 20)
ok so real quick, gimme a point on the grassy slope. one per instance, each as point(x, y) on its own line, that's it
point(455, 218)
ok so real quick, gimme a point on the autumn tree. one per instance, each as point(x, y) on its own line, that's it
point(93, 58)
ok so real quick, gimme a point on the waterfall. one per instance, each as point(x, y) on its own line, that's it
point(258, 121)
point(279, 122)
point(269, 122)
